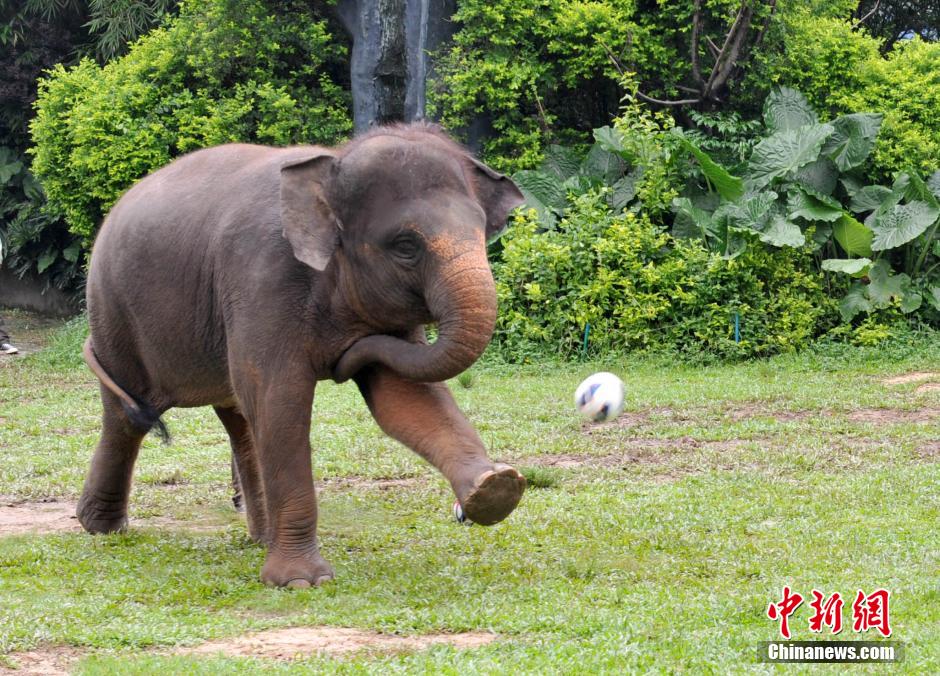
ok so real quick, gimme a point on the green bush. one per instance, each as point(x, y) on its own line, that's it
point(801, 183)
point(543, 71)
point(641, 289)
point(221, 71)
point(825, 59)
point(841, 70)
point(905, 86)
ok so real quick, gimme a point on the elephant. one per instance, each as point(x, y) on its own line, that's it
point(240, 276)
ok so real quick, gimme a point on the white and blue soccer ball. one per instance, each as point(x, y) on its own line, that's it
point(600, 397)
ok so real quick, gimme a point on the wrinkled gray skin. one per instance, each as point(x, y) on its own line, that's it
point(241, 275)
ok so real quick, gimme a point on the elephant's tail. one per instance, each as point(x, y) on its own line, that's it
point(141, 415)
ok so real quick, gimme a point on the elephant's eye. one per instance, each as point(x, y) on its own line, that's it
point(406, 247)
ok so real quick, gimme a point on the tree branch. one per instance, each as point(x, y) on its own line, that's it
point(696, 32)
point(660, 102)
point(867, 16)
point(713, 47)
point(730, 51)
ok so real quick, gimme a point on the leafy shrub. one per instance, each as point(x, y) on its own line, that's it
point(841, 70)
point(30, 240)
point(543, 71)
point(905, 87)
point(635, 158)
point(641, 289)
point(825, 59)
point(802, 181)
point(221, 71)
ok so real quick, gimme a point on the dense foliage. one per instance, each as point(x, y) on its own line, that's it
point(36, 35)
point(803, 184)
point(221, 71)
point(542, 71)
point(637, 287)
point(841, 70)
point(670, 205)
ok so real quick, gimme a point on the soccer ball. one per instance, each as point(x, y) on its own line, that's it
point(600, 397)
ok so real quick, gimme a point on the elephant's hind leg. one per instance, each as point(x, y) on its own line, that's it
point(246, 476)
point(103, 505)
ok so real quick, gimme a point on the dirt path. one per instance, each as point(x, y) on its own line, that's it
point(29, 331)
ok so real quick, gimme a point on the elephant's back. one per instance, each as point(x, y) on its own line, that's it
point(151, 291)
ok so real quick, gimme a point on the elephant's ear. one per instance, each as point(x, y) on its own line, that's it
point(497, 194)
point(309, 223)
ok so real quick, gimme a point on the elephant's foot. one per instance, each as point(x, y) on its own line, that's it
point(99, 516)
point(495, 494)
point(257, 530)
point(301, 571)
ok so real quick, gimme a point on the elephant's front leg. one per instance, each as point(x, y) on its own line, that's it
point(425, 417)
point(280, 424)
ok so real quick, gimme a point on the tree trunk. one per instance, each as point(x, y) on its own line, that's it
point(389, 62)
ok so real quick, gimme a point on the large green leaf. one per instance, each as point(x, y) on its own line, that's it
point(934, 297)
point(561, 161)
point(785, 152)
point(548, 189)
point(852, 184)
point(911, 300)
point(869, 198)
point(624, 190)
point(850, 266)
point(728, 186)
point(902, 223)
point(602, 165)
point(883, 286)
point(806, 206)
point(692, 222)
point(855, 301)
point(819, 176)
point(933, 183)
point(786, 109)
point(71, 252)
point(914, 189)
point(46, 259)
point(781, 232)
point(542, 192)
point(852, 236)
point(547, 218)
point(756, 208)
point(853, 139)
point(10, 165)
point(609, 139)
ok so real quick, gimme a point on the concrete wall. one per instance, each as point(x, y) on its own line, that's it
point(27, 294)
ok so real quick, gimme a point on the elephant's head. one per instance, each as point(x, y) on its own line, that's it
point(405, 214)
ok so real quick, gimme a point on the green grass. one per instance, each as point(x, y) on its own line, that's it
point(655, 543)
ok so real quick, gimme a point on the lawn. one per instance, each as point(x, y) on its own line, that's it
point(655, 542)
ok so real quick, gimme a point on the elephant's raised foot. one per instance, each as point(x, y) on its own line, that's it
point(301, 571)
point(495, 494)
point(97, 516)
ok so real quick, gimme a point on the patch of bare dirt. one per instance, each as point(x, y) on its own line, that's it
point(358, 482)
point(928, 387)
point(54, 516)
point(760, 410)
point(893, 416)
point(915, 377)
point(47, 661)
point(642, 451)
point(29, 331)
point(300, 642)
point(929, 450)
point(17, 518)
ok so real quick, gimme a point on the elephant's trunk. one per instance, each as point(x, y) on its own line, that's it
point(463, 300)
